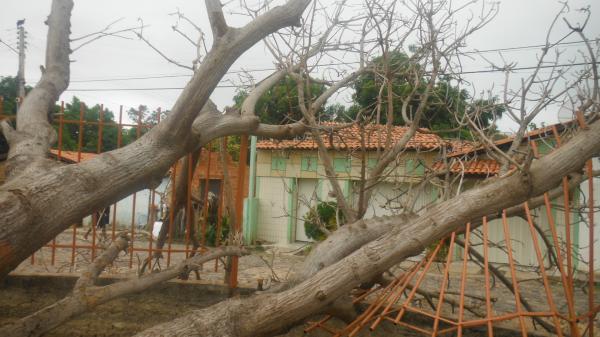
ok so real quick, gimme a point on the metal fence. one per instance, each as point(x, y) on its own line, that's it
point(187, 231)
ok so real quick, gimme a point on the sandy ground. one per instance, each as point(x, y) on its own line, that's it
point(269, 263)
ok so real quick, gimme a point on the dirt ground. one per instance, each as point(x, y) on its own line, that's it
point(267, 263)
point(125, 316)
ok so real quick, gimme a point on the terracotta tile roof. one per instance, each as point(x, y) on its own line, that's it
point(349, 138)
point(533, 134)
point(487, 167)
point(458, 146)
point(72, 156)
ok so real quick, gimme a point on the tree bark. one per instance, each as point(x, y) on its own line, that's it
point(44, 198)
point(267, 314)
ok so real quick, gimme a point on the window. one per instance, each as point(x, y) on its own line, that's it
point(415, 167)
point(309, 163)
point(371, 163)
point(341, 165)
point(277, 163)
point(545, 146)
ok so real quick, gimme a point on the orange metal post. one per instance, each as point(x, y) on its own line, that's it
point(569, 243)
point(133, 204)
point(138, 132)
point(567, 212)
point(540, 260)
point(153, 199)
point(239, 212)
point(219, 219)
point(80, 135)
point(79, 145)
point(591, 284)
point(461, 303)
point(445, 279)
point(513, 273)
point(152, 220)
point(563, 274)
point(488, 300)
point(98, 150)
point(171, 215)
point(60, 136)
point(119, 140)
point(205, 195)
point(188, 205)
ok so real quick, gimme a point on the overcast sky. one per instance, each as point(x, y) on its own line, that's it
point(519, 23)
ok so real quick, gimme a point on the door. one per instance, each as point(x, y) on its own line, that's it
point(307, 198)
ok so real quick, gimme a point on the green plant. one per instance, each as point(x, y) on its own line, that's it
point(211, 231)
point(323, 215)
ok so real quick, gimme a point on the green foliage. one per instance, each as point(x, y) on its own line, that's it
point(444, 102)
point(90, 132)
point(144, 119)
point(279, 105)
point(8, 90)
point(442, 254)
point(325, 214)
point(211, 231)
point(110, 131)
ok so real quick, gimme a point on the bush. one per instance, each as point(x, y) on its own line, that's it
point(211, 232)
point(324, 214)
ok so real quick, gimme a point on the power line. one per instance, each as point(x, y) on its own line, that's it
point(11, 48)
point(321, 65)
point(144, 89)
point(456, 73)
point(520, 47)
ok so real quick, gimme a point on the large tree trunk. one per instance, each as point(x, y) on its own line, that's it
point(41, 198)
point(266, 314)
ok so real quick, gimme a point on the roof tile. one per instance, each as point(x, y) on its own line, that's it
point(350, 138)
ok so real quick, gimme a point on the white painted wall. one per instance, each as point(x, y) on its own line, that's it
point(126, 213)
point(308, 191)
point(272, 194)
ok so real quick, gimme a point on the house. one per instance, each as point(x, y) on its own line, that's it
point(210, 168)
point(290, 177)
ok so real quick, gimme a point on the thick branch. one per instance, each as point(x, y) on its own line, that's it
point(217, 19)
point(35, 134)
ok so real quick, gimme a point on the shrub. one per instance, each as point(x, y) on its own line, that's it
point(324, 214)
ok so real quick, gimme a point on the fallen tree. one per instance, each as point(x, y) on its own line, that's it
point(33, 211)
point(274, 312)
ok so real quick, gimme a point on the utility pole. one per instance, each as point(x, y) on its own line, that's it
point(21, 73)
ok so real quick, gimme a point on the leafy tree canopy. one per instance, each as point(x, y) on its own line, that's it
point(8, 91)
point(445, 102)
point(279, 105)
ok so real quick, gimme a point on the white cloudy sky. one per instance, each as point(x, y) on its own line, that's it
point(519, 23)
